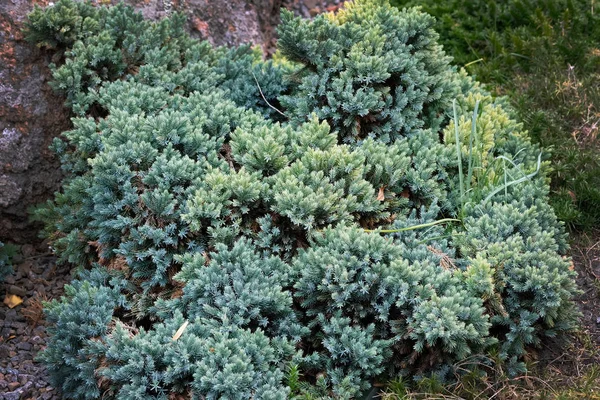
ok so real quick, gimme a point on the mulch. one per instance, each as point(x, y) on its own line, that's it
point(36, 278)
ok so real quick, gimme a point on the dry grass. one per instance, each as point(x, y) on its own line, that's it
point(34, 311)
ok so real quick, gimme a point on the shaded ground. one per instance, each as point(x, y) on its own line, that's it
point(586, 348)
point(586, 255)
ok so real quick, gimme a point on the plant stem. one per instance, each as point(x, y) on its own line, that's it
point(409, 228)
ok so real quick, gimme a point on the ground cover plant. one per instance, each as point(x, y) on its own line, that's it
point(353, 211)
point(545, 55)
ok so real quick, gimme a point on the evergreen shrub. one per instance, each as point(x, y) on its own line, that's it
point(353, 210)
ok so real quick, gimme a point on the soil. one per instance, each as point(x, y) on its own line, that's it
point(586, 256)
point(585, 345)
point(36, 278)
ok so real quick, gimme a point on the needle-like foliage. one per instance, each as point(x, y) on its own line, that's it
point(239, 218)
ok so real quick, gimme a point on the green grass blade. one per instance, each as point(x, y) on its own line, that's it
point(410, 228)
point(458, 155)
point(516, 181)
point(471, 137)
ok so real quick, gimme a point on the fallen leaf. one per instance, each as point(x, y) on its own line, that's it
point(179, 332)
point(381, 195)
point(12, 300)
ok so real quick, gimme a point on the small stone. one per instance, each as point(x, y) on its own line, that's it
point(47, 274)
point(598, 321)
point(24, 346)
point(40, 289)
point(41, 385)
point(25, 267)
point(37, 269)
point(27, 250)
point(19, 317)
point(13, 386)
point(27, 363)
point(16, 290)
point(19, 325)
point(3, 355)
point(36, 339)
point(11, 315)
point(17, 258)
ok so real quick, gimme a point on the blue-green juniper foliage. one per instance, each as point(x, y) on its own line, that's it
point(227, 212)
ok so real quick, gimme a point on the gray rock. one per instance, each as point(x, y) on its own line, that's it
point(10, 279)
point(11, 315)
point(13, 385)
point(18, 325)
point(24, 346)
point(3, 352)
point(30, 116)
point(19, 291)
